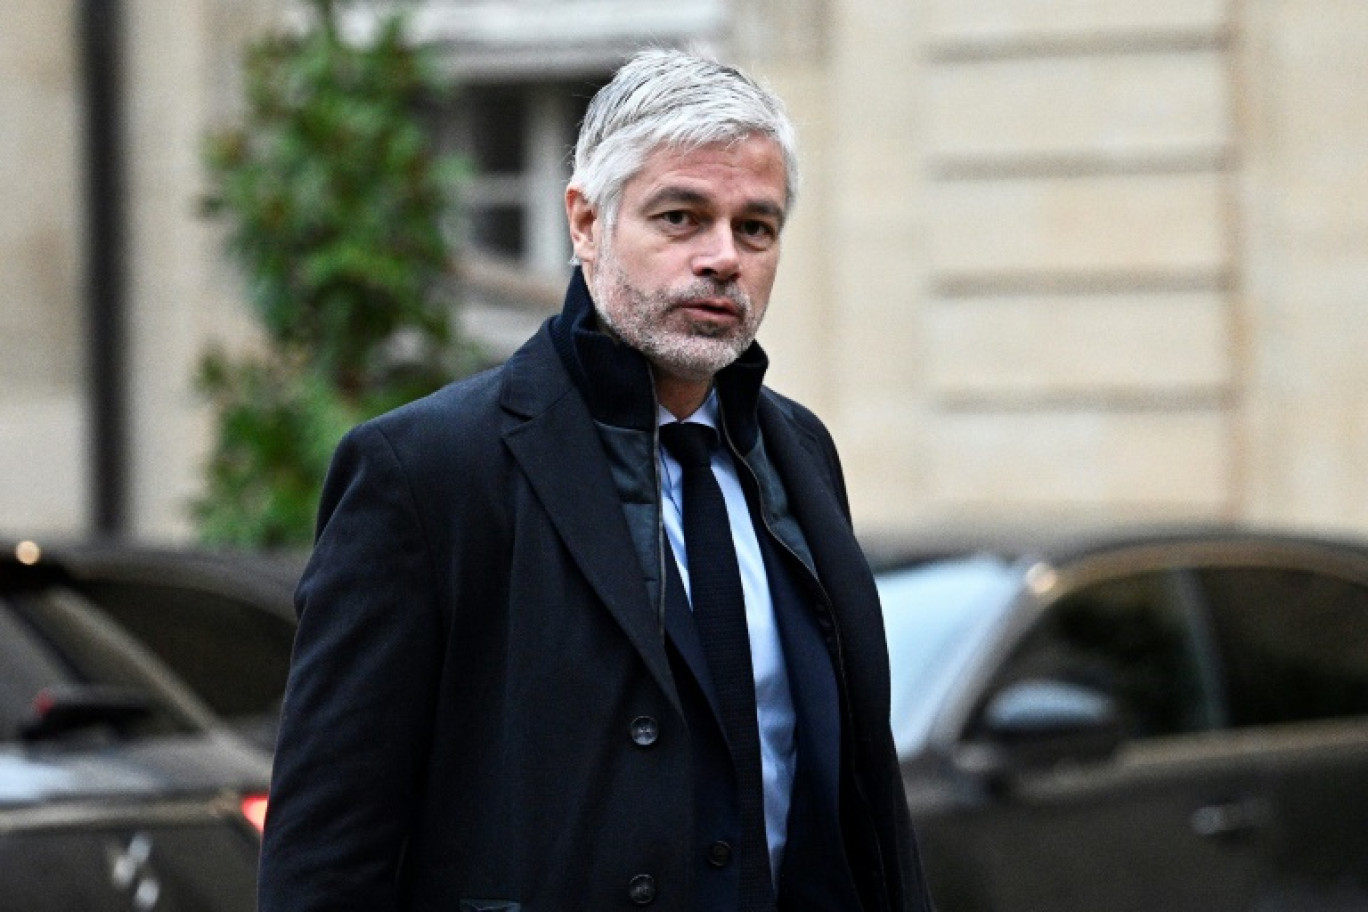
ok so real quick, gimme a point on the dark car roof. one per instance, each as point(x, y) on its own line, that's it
point(268, 579)
point(1064, 543)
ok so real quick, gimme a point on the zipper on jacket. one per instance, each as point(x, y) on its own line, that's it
point(828, 609)
point(663, 551)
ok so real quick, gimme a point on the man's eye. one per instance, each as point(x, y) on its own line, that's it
point(675, 217)
point(757, 230)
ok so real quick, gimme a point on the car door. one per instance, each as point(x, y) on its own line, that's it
point(1171, 819)
point(1295, 654)
point(164, 856)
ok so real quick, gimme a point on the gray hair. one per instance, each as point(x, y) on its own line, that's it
point(673, 99)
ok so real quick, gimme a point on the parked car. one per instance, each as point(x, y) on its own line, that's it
point(120, 787)
point(1173, 721)
point(222, 622)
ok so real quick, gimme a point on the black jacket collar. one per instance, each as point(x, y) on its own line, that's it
point(615, 379)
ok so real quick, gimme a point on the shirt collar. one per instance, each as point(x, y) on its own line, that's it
point(704, 414)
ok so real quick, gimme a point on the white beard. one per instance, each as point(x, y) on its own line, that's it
point(692, 350)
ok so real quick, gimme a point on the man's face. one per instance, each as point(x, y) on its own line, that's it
point(686, 275)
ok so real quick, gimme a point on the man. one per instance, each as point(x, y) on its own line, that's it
point(502, 696)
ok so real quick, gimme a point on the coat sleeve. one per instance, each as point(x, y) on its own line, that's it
point(359, 704)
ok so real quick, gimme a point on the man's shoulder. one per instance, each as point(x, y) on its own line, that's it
point(458, 404)
point(791, 410)
point(475, 403)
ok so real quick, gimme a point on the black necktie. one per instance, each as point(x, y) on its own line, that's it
point(719, 609)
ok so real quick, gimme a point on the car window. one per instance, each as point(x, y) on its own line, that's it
point(54, 646)
point(936, 618)
point(1136, 640)
point(1295, 643)
point(26, 667)
point(234, 654)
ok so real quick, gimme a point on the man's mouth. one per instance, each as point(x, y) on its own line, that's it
point(715, 308)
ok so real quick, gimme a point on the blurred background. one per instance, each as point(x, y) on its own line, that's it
point(1055, 264)
point(1057, 259)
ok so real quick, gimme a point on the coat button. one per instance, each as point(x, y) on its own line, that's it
point(645, 731)
point(642, 890)
point(719, 854)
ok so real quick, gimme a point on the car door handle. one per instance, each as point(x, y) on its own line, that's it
point(1229, 819)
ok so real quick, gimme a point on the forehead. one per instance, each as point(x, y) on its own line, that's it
point(751, 168)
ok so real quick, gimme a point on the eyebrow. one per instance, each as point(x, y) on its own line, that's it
point(687, 197)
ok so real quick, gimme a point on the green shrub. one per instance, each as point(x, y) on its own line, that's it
point(335, 205)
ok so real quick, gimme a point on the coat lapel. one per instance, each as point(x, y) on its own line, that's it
point(679, 622)
point(819, 507)
point(558, 449)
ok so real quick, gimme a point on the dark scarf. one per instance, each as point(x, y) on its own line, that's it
point(615, 379)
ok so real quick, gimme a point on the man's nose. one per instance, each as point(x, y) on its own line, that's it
point(717, 257)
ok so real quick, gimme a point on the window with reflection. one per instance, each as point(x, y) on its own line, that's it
point(1295, 643)
point(1136, 640)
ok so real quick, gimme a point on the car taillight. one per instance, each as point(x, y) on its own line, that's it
point(254, 809)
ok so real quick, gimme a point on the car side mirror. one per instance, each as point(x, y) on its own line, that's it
point(1039, 723)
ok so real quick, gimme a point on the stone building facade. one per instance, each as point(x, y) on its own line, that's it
point(1061, 260)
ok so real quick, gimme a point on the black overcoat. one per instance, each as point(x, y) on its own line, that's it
point(477, 653)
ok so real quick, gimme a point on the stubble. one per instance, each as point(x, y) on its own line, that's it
point(654, 324)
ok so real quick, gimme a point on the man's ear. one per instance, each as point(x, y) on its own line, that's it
point(585, 226)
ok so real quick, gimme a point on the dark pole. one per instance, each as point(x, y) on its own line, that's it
point(106, 339)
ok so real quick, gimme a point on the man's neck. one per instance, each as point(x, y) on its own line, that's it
point(680, 397)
